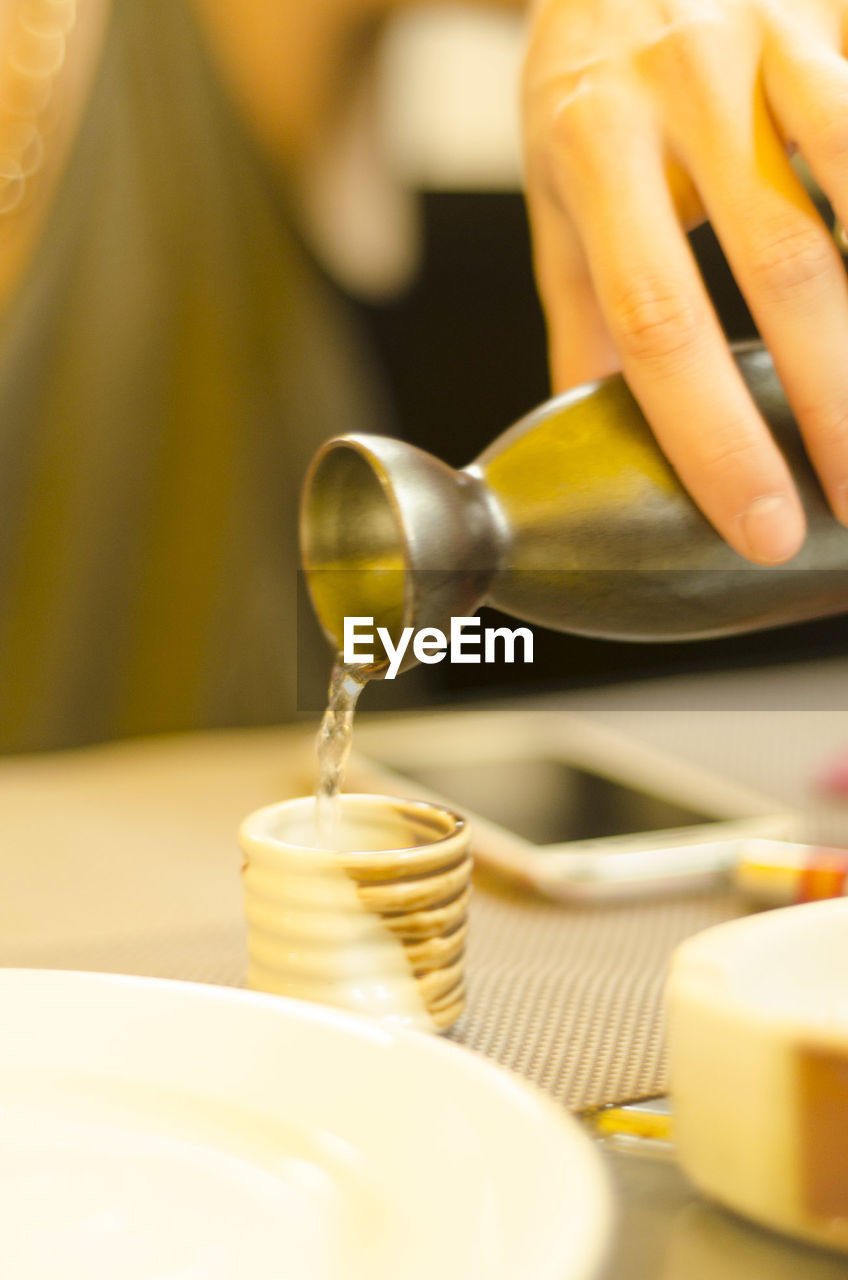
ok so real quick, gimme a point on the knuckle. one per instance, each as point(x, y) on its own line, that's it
point(572, 107)
point(654, 321)
point(681, 46)
point(729, 455)
point(827, 424)
point(790, 260)
point(570, 115)
point(689, 51)
point(834, 432)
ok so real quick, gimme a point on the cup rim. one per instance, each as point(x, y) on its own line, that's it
point(256, 830)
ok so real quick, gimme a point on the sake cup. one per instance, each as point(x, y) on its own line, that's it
point(377, 924)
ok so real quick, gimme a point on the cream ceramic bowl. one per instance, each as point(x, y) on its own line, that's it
point(758, 1049)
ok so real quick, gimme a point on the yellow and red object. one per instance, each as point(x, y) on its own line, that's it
point(776, 874)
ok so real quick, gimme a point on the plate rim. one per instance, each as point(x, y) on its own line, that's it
point(558, 1125)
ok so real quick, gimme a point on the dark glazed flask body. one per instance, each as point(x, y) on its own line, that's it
point(572, 519)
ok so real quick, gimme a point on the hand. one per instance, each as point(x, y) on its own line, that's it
point(641, 118)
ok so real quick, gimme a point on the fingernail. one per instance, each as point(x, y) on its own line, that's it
point(771, 529)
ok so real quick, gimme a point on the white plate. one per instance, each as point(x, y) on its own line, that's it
point(163, 1130)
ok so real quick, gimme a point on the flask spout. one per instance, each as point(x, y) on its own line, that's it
point(390, 533)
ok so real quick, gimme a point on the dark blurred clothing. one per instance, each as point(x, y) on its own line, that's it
point(167, 367)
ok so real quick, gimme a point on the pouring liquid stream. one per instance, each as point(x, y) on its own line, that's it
point(333, 748)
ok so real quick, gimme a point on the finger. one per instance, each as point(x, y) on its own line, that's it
point(807, 86)
point(673, 351)
point(805, 79)
point(580, 347)
point(579, 343)
point(788, 268)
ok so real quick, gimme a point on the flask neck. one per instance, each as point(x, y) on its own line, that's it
point(392, 534)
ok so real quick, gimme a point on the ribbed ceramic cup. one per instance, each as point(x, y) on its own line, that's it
point(378, 924)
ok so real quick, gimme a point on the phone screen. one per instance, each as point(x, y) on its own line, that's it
point(548, 801)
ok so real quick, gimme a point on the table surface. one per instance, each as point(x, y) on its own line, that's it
point(152, 823)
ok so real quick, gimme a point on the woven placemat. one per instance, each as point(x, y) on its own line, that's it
point(571, 997)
